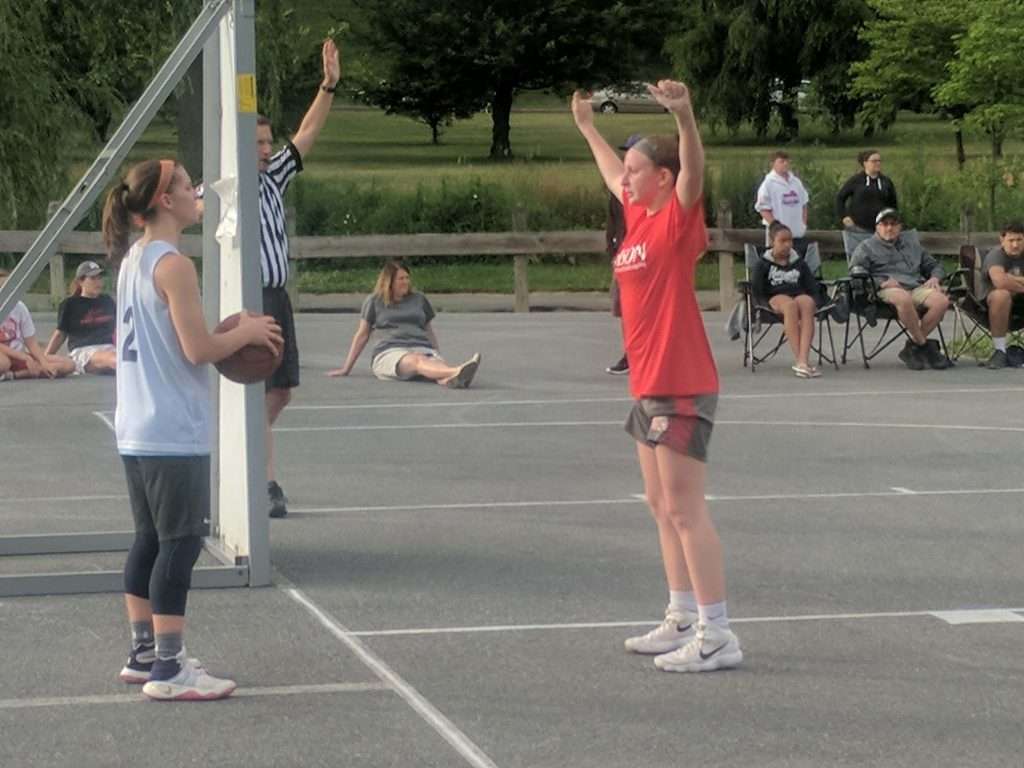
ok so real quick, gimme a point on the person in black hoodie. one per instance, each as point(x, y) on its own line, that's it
point(866, 193)
point(782, 280)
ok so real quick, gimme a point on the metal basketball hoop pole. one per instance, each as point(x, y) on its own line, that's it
point(225, 32)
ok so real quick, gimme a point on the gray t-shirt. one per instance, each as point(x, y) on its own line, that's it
point(997, 257)
point(403, 324)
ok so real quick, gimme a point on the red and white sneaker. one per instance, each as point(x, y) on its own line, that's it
point(192, 683)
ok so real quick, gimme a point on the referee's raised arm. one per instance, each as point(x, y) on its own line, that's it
point(316, 115)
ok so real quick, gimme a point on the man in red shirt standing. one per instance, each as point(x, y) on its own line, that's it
point(673, 377)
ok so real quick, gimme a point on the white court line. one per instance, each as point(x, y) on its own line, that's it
point(583, 400)
point(476, 505)
point(455, 425)
point(105, 418)
point(29, 499)
point(649, 622)
point(901, 489)
point(618, 422)
point(445, 727)
point(637, 498)
point(241, 693)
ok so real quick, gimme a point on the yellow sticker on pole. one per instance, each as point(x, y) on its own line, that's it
point(247, 93)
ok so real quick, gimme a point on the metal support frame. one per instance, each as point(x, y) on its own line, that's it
point(227, 41)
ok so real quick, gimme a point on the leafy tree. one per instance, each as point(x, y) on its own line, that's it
point(490, 52)
point(746, 60)
point(909, 43)
point(34, 115)
point(986, 75)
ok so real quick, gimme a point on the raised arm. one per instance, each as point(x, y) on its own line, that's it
point(359, 339)
point(608, 161)
point(316, 116)
point(675, 97)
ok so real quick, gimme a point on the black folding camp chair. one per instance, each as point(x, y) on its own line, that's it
point(759, 319)
point(867, 308)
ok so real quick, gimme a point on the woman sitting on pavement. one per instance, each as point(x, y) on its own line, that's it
point(782, 280)
point(21, 357)
point(409, 348)
point(87, 319)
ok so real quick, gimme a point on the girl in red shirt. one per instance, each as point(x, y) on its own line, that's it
point(672, 373)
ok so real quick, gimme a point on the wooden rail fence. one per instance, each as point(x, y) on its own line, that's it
point(725, 243)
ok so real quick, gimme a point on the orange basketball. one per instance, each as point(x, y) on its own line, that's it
point(249, 364)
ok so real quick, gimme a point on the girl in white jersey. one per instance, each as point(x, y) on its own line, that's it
point(162, 418)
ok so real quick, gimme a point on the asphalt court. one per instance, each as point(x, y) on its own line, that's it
point(458, 570)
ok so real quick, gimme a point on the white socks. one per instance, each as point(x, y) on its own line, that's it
point(714, 613)
point(679, 602)
point(999, 343)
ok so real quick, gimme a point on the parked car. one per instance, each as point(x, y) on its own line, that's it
point(630, 97)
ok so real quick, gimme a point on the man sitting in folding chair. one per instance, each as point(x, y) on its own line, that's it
point(907, 277)
point(1002, 283)
point(782, 280)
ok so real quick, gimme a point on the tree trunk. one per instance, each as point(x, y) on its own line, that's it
point(188, 119)
point(501, 117)
point(435, 133)
point(790, 122)
point(997, 145)
point(961, 156)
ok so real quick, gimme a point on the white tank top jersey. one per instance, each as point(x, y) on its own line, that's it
point(163, 401)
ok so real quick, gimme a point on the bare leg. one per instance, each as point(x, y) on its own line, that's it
point(139, 608)
point(935, 307)
point(102, 362)
point(682, 483)
point(433, 368)
point(65, 365)
point(275, 400)
point(790, 312)
point(672, 555)
point(807, 308)
point(999, 303)
point(907, 313)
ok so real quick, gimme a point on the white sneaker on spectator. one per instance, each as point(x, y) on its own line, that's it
point(674, 632)
point(711, 648)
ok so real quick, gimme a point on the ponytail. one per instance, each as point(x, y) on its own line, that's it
point(117, 224)
point(133, 201)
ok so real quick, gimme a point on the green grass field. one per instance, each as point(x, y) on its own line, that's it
point(393, 156)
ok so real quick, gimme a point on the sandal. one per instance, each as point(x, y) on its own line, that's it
point(806, 372)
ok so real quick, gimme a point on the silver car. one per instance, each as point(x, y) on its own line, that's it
point(630, 97)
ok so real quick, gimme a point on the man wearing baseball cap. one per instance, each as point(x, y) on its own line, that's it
point(907, 277)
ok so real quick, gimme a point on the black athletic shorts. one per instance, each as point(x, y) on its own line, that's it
point(170, 495)
point(277, 304)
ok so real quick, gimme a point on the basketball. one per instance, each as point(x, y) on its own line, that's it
point(251, 363)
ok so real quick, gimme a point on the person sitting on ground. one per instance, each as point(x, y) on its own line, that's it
point(87, 319)
point(782, 280)
point(409, 348)
point(21, 357)
point(782, 197)
point(865, 193)
point(1002, 283)
point(907, 277)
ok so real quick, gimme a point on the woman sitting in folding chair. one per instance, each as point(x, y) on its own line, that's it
point(783, 281)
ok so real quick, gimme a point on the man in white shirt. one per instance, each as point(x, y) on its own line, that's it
point(782, 197)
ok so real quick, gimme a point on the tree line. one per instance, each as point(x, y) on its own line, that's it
point(72, 67)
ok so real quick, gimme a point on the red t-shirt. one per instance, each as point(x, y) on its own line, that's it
point(668, 350)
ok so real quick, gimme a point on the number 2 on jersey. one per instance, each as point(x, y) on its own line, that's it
point(129, 354)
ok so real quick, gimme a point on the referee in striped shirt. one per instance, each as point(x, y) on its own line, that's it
point(276, 172)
